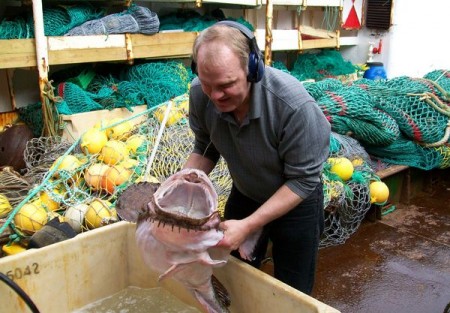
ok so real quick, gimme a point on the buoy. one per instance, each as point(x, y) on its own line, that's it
point(93, 141)
point(342, 167)
point(379, 192)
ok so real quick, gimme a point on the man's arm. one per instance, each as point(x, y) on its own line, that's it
point(200, 162)
point(236, 231)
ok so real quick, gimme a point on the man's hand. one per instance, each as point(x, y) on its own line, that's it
point(235, 233)
point(238, 236)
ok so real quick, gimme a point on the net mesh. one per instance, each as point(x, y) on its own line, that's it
point(69, 175)
point(351, 110)
point(85, 19)
point(73, 179)
point(318, 66)
point(136, 19)
point(84, 89)
point(346, 201)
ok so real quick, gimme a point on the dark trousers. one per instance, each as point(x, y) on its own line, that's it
point(295, 237)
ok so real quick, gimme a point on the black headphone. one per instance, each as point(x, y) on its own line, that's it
point(255, 58)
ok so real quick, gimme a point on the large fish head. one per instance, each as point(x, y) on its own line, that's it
point(187, 199)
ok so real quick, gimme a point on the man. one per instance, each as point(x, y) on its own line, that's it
point(274, 139)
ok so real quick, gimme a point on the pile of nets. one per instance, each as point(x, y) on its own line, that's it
point(134, 20)
point(149, 83)
point(79, 183)
point(85, 19)
point(421, 109)
point(193, 21)
point(87, 88)
point(81, 19)
point(324, 64)
point(404, 120)
point(58, 20)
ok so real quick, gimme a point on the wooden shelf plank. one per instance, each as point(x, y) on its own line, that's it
point(17, 53)
point(167, 45)
point(315, 32)
point(83, 49)
point(284, 40)
point(320, 43)
point(391, 171)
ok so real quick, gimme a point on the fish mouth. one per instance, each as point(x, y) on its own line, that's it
point(189, 200)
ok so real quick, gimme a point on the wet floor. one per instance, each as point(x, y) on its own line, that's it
point(400, 263)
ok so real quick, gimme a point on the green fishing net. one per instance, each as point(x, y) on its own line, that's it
point(149, 83)
point(58, 20)
point(351, 110)
point(327, 63)
point(192, 21)
point(403, 151)
point(346, 201)
point(417, 105)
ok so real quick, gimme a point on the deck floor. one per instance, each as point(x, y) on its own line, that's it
point(399, 264)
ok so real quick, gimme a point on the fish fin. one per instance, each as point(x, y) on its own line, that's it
point(247, 248)
point(221, 292)
point(206, 259)
point(173, 270)
point(207, 296)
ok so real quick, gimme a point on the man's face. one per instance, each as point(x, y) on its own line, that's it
point(222, 78)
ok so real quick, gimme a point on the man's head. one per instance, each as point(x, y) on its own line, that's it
point(243, 44)
point(221, 61)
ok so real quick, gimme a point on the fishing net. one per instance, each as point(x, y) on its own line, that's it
point(70, 180)
point(351, 110)
point(39, 155)
point(417, 105)
point(383, 115)
point(58, 20)
point(318, 66)
point(81, 19)
point(136, 19)
point(13, 185)
point(18, 28)
point(149, 83)
point(346, 201)
point(192, 21)
point(406, 152)
point(32, 116)
point(441, 79)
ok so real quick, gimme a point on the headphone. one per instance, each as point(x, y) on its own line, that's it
point(255, 58)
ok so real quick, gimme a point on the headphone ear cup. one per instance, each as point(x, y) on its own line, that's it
point(255, 67)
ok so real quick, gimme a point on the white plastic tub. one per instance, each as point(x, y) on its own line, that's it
point(68, 275)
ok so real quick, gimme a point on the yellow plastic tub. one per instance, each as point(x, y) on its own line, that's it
point(69, 275)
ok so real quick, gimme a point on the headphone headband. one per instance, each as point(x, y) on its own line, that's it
point(247, 32)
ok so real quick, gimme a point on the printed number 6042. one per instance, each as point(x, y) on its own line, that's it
point(19, 272)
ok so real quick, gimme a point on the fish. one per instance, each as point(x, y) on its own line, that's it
point(178, 233)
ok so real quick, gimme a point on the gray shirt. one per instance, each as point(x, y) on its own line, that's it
point(283, 140)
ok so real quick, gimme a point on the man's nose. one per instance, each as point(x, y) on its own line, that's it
point(216, 93)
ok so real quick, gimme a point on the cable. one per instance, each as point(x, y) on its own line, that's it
point(8, 281)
